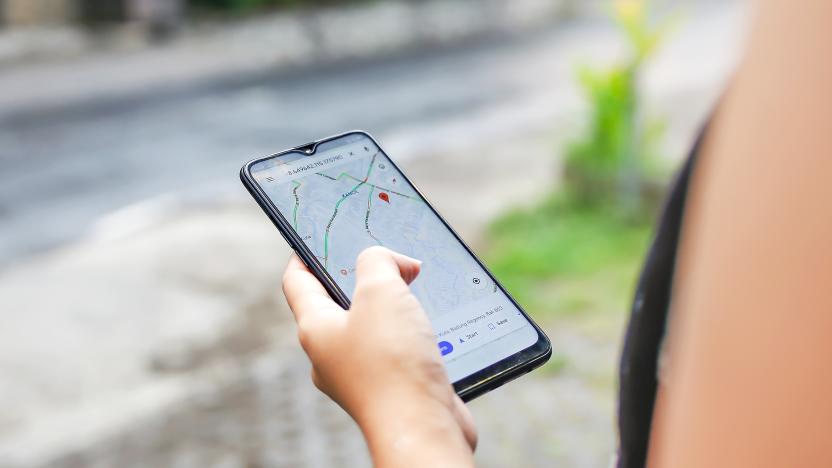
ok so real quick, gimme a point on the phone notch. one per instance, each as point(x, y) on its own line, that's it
point(308, 149)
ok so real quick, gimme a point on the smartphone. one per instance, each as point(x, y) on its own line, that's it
point(332, 198)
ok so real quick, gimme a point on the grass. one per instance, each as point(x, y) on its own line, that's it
point(566, 261)
point(573, 267)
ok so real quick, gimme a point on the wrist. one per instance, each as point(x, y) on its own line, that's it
point(413, 431)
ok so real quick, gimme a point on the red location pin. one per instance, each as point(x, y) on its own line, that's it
point(384, 196)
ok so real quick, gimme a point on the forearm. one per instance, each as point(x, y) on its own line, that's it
point(409, 434)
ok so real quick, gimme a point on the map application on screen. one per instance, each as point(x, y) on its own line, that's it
point(348, 197)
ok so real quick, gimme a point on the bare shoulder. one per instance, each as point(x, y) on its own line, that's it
point(752, 300)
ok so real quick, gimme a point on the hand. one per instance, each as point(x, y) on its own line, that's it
point(380, 362)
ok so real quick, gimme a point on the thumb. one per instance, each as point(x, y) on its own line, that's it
point(377, 263)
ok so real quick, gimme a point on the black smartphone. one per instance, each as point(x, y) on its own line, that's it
point(334, 197)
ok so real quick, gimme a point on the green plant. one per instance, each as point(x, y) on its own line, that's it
point(563, 259)
point(611, 161)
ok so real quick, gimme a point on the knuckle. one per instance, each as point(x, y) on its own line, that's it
point(409, 300)
point(374, 287)
point(306, 335)
point(377, 283)
point(286, 282)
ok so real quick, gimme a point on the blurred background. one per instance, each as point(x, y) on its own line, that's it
point(141, 318)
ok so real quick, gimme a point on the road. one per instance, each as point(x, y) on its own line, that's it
point(63, 171)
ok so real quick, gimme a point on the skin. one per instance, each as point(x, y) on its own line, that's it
point(747, 380)
point(380, 362)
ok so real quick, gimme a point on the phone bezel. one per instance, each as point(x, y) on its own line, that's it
point(467, 388)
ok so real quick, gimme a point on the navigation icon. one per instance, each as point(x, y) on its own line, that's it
point(445, 347)
point(384, 196)
point(477, 280)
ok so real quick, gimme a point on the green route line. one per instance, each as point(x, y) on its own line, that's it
point(337, 205)
point(297, 202)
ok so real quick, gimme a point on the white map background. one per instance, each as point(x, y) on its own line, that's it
point(403, 223)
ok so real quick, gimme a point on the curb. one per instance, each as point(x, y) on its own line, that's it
point(209, 53)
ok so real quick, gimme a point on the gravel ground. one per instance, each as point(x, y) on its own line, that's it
point(270, 415)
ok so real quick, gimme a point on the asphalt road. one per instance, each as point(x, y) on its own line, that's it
point(62, 171)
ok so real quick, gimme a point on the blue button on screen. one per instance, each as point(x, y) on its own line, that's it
point(445, 347)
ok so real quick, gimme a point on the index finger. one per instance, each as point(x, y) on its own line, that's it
point(304, 293)
point(379, 264)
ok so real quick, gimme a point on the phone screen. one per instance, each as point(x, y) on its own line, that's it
point(348, 196)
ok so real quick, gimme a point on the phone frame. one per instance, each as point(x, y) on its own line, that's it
point(469, 387)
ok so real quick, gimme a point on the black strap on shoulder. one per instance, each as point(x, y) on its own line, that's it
point(639, 358)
